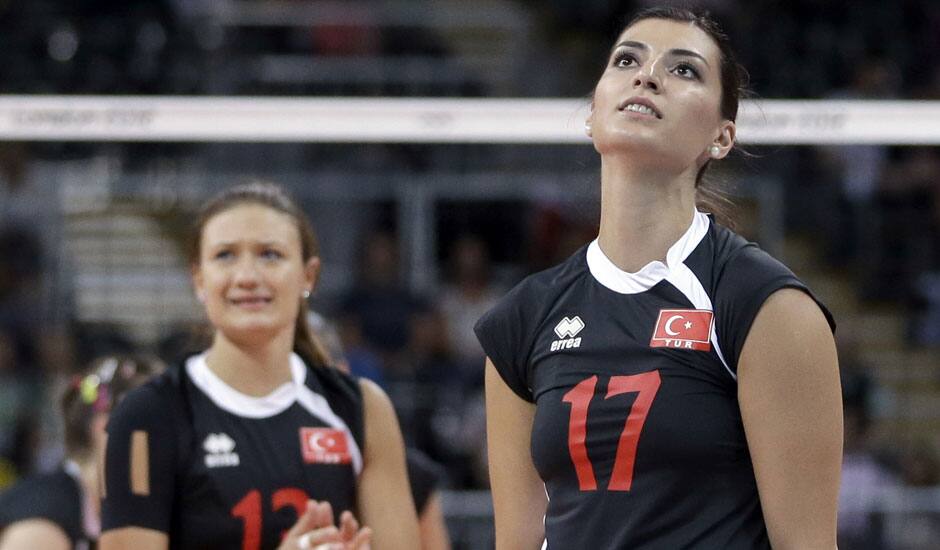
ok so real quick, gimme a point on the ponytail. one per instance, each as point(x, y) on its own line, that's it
point(306, 343)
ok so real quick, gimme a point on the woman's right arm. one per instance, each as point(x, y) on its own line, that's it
point(519, 499)
point(139, 471)
point(137, 538)
point(30, 534)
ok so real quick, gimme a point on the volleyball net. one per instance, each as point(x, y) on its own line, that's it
point(430, 120)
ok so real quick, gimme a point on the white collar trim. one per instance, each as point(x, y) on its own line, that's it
point(623, 282)
point(235, 402)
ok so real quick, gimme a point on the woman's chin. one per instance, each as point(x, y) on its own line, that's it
point(632, 144)
point(255, 332)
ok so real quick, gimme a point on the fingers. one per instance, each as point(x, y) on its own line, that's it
point(348, 526)
point(319, 539)
point(314, 530)
point(324, 513)
point(363, 540)
point(307, 521)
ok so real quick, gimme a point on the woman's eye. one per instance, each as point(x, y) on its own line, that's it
point(685, 70)
point(624, 60)
point(223, 255)
point(271, 254)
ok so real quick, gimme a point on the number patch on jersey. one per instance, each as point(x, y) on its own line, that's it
point(621, 479)
point(249, 511)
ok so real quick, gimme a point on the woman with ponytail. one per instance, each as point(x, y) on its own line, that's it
point(255, 442)
point(59, 510)
point(669, 385)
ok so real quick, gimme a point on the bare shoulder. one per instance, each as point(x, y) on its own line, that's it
point(34, 533)
point(793, 305)
point(379, 418)
point(789, 323)
point(374, 397)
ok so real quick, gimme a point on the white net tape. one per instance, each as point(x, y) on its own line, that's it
point(429, 120)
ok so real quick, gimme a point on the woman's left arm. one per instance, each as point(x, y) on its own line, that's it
point(791, 405)
point(385, 502)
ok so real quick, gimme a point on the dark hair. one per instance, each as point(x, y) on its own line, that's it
point(272, 196)
point(734, 82)
point(97, 390)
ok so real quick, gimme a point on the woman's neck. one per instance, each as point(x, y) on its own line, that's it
point(251, 368)
point(643, 213)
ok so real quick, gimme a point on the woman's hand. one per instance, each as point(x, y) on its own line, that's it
point(314, 530)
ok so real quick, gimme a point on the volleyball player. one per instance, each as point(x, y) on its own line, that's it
point(670, 385)
point(230, 449)
point(59, 510)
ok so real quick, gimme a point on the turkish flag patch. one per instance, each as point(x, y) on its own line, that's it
point(683, 329)
point(324, 446)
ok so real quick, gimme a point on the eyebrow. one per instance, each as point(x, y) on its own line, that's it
point(223, 244)
point(674, 51)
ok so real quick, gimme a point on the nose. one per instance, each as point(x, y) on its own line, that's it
point(246, 273)
point(646, 77)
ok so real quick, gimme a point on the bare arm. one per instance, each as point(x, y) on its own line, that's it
point(791, 404)
point(519, 499)
point(434, 535)
point(30, 534)
point(385, 502)
point(137, 538)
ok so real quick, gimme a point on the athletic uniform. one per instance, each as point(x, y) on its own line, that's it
point(213, 468)
point(55, 497)
point(637, 431)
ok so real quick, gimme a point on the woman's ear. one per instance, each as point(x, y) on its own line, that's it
point(589, 121)
point(725, 140)
point(311, 273)
point(198, 286)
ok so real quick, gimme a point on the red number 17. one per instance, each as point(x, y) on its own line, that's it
point(621, 479)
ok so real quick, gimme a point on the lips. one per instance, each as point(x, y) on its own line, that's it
point(636, 100)
point(250, 301)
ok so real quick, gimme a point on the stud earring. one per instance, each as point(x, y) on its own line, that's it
point(714, 151)
point(306, 294)
point(587, 129)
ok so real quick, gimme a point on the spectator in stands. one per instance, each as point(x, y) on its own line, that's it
point(468, 293)
point(379, 303)
point(60, 510)
point(917, 525)
point(865, 480)
point(17, 396)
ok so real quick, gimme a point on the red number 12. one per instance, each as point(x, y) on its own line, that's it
point(621, 479)
point(249, 511)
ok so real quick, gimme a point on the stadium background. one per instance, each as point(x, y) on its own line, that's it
point(419, 237)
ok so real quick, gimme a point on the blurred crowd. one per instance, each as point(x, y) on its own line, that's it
point(872, 211)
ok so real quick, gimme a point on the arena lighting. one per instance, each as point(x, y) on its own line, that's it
point(429, 120)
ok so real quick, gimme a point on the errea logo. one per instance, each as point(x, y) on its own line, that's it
point(219, 451)
point(567, 329)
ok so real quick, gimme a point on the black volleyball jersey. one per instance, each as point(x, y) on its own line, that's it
point(55, 496)
point(637, 433)
point(214, 468)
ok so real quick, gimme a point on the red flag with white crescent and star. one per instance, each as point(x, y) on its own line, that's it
point(324, 446)
point(683, 329)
